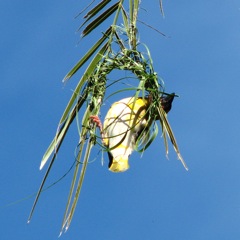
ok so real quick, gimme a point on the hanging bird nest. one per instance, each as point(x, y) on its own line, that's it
point(89, 95)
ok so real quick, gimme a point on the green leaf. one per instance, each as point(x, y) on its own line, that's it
point(70, 208)
point(119, 41)
point(55, 144)
point(97, 8)
point(69, 115)
point(167, 127)
point(125, 20)
point(94, 11)
point(73, 182)
point(149, 140)
point(100, 19)
point(122, 90)
point(85, 76)
point(88, 54)
point(65, 122)
point(135, 11)
point(67, 223)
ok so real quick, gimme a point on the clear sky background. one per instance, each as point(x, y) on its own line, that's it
point(155, 199)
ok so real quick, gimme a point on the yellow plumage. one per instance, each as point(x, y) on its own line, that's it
point(122, 125)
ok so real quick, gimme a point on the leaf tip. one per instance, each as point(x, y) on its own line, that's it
point(182, 161)
point(65, 79)
point(41, 165)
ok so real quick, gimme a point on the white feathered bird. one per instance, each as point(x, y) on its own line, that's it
point(123, 124)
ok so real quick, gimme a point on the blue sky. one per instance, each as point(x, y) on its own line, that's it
point(156, 198)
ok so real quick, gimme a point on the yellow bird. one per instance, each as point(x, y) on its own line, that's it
point(123, 124)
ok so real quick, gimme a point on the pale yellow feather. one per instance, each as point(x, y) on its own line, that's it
point(122, 124)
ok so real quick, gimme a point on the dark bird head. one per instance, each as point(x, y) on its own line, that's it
point(166, 102)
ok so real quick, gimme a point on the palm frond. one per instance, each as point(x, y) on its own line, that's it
point(96, 9)
point(89, 54)
point(95, 23)
point(72, 200)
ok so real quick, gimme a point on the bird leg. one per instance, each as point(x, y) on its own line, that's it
point(98, 122)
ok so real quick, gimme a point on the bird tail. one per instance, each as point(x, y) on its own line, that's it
point(118, 164)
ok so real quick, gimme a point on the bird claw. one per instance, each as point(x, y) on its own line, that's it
point(98, 122)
